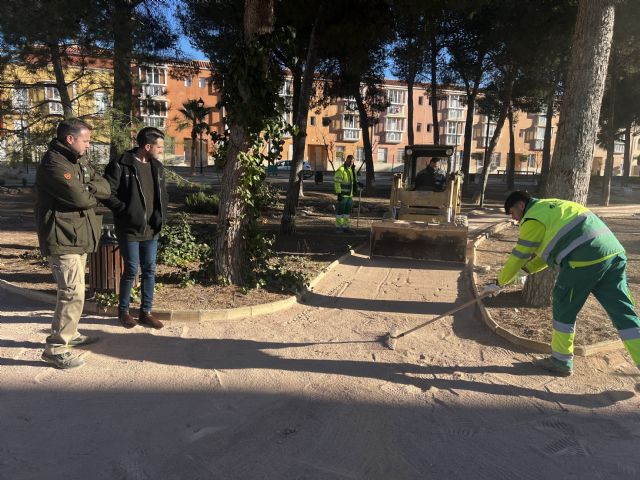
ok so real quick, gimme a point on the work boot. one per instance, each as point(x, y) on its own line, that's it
point(553, 365)
point(83, 340)
point(147, 320)
point(63, 361)
point(126, 320)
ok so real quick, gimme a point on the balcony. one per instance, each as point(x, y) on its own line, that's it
point(55, 107)
point(396, 110)
point(350, 134)
point(450, 139)
point(393, 137)
point(157, 122)
point(154, 91)
point(454, 114)
point(537, 145)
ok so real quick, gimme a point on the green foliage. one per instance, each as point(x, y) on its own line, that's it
point(177, 245)
point(106, 299)
point(201, 202)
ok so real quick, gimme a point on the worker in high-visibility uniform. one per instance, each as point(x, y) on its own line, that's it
point(345, 186)
point(589, 258)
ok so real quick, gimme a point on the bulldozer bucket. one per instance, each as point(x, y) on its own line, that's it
point(419, 240)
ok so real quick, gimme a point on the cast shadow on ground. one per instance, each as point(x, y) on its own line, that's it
point(238, 354)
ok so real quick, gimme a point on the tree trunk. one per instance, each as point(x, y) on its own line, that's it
point(626, 171)
point(492, 146)
point(468, 131)
point(192, 163)
point(511, 163)
point(232, 217)
point(504, 110)
point(301, 112)
point(546, 148)
point(122, 26)
point(610, 136)
point(410, 131)
point(580, 111)
point(366, 140)
point(61, 83)
point(433, 96)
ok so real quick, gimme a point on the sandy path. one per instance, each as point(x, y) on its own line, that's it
point(309, 393)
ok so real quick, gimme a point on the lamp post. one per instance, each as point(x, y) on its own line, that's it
point(200, 104)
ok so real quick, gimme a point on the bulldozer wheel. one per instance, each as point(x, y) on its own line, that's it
point(461, 221)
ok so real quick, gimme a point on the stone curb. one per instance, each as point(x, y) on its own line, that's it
point(533, 345)
point(192, 315)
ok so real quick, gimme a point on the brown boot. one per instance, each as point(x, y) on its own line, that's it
point(147, 320)
point(126, 320)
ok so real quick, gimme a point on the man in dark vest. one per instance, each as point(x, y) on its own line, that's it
point(68, 191)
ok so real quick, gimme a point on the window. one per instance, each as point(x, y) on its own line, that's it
point(420, 100)
point(395, 97)
point(360, 154)
point(340, 153)
point(495, 160)
point(455, 101)
point(400, 155)
point(102, 102)
point(382, 155)
point(312, 121)
point(349, 121)
point(532, 160)
point(20, 98)
point(429, 127)
point(394, 124)
point(187, 82)
point(202, 82)
point(52, 94)
point(351, 134)
point(418, 127)
point(618, 147)
point(521, 133)
point(153, 75)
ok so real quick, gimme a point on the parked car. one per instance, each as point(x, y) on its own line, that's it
point(285, 166)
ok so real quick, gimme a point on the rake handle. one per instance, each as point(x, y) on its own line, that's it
point(446, 314)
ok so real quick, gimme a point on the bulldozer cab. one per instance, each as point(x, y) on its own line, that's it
point(430, 205)
point(422, 224)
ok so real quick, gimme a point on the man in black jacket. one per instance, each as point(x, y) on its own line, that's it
point(68, 191)
point(139, 204)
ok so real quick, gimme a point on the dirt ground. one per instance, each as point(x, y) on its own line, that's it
point(508, 309)
point(310, 250)
point(311, 392)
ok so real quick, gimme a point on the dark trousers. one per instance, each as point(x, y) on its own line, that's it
point(134, 254)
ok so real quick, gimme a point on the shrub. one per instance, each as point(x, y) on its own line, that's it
point(177, 246)
point(200, 202)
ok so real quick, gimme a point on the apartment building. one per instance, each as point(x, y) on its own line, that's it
point(32, 107)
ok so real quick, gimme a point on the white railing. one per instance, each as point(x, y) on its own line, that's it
point(352, 134)
point(393, 137)
point(154, 90)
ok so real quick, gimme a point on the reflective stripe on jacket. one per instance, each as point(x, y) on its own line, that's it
point(551, 230)
point(343, 181)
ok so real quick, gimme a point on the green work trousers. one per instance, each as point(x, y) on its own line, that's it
point(343, 212)
point(607, 281)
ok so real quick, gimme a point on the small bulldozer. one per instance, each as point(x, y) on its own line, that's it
point(422, 224)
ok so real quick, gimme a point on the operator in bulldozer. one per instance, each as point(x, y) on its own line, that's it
point(346, 186)
point(431, 178)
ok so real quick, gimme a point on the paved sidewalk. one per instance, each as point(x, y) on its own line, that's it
point(311, 393)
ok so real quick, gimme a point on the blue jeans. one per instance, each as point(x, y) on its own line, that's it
point(134, 254)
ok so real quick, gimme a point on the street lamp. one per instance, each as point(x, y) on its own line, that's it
point(200, 104)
